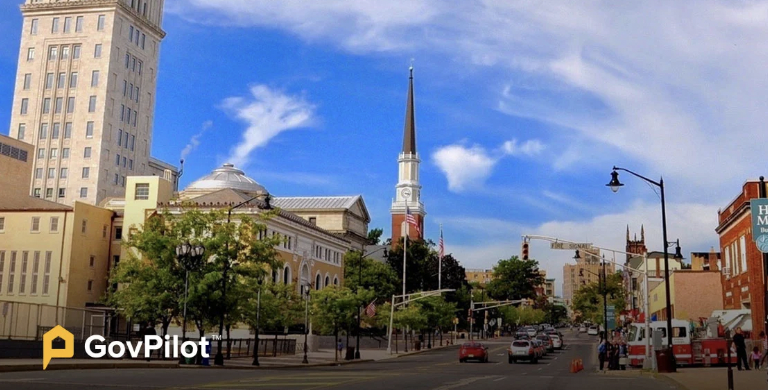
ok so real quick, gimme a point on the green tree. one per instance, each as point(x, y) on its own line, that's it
point(377, 276)
point(422, 268)
point(374, 236)
point(588, 300)
point(515, 279)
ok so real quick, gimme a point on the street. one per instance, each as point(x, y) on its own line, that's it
point(436, 370)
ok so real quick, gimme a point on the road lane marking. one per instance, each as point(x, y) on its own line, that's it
point(500, 379)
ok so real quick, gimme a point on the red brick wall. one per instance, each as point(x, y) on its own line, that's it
point(397, 233)
point(753, 277)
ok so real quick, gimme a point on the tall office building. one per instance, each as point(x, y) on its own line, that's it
point(85, 95)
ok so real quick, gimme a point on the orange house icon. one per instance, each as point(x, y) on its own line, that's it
point(64, 353)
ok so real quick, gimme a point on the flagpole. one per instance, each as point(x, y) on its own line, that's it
point(440, 262)
point(405, 255)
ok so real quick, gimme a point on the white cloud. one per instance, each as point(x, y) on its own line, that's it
point(195, 140)
point(267, 112)
point(468, 167)
point(464, 166)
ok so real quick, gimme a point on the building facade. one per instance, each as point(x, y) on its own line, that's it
point(408, 188)
point(479, 275)
point(585, 271)
point(741, 263)
point(85, 94)
point(693, 295)
point(16, 162)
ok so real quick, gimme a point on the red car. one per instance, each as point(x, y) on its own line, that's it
point(473, 350)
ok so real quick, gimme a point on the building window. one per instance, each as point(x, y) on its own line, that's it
point(100, 23)
point(73, 80)
point(55, 25)
point(54, 152)
point(130, 33)
point(49, 81)
point(117, 179)
point(12, 272)
point(67, 132)
point(89, 129)
point(97, 51)
point(35, 269)
point(43, 135)
point(38, 173)
point(35, 224)
point(53, 52)
point(87, 152)
point(142, 191)
point(67, 24)
point(46, 105)
point(23, 281)
point(313, 220)
point(41, 153)
point(65, 52)
point(76, 52)
point(24, 106)
point(47, 272)
point(56, 131)
point(130, 163)
point(57, 105)
point(22, 131)
point(33, 27)
point(127, 60)
point(79, 24)
point(30, 54)
point(117, 160)
point(2, 226)
point(119, 137)
point(90, 285)
point(62, 80)
point(118, 233)
point(86, 172)
point(133, 138)
point(49, 191)
point(83, 193)
point(95, 78)
point(63, 173)
point(92, 104)
point(70, 105)
point(92, 261)
point(27, 81)
point(62, 191)
point(65, 151)
point(51, 175)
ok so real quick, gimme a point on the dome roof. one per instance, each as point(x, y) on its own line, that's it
point(226, 177)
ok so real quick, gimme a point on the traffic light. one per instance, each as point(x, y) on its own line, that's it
point(525, 251)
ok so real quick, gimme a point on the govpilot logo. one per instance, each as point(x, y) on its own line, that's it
point(95, 348)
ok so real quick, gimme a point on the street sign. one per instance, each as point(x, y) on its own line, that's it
point(611, 316)
point(492, 322)
point(571, 246)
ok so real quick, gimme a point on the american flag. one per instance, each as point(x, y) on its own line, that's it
point(441, 244)
point(370, 310)
point(411, 220)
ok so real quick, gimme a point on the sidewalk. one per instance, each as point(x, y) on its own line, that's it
point(315, 359)
point(716, 378)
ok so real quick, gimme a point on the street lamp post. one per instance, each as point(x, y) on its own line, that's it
point(602, 282)
point(219, 358)
point(306, 321)
point(615, 184)
point(189, 256)
point(359, 284)
point(258, 324)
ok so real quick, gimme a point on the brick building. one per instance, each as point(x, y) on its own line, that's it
point(741, 263)
point(693, 295)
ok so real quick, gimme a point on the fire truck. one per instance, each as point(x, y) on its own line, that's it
point(700, 346)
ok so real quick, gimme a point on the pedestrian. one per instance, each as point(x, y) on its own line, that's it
point(764, 340)
point(623, 358)
point(149, 331)
point(339, 348)
point(602, 350)
point(756, 356)
point(741, 350)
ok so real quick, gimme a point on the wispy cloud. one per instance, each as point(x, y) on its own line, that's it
point(267, 113)
point(469, 166)
point(195, 140)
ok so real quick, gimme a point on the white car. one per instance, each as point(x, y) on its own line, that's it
point(557, 343)
point(592, 331)
point(531, 331)
point(582, 329)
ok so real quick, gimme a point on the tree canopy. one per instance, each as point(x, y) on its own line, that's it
point(514, 278)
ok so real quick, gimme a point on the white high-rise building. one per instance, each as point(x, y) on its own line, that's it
point(85, 95)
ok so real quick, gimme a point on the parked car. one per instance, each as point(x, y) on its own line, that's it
point(522, 350)
point(539, 347)
point(521, 333)
point(557, 342)
point(531, 331)
point(582, 329)
point(473, 351)
point(592, 331)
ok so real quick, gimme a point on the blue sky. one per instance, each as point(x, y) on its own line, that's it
point(522, 109)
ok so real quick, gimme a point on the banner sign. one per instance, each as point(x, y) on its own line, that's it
point(760, 223)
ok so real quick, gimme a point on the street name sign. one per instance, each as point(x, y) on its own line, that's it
point(571, 246)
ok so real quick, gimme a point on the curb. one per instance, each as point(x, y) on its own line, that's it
point(283, 366)
point(84, 366)
point(423, 351)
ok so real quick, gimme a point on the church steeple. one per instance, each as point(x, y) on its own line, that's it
point(409, 131)
point(408, 188)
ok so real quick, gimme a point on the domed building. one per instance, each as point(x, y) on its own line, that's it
point(311, 253)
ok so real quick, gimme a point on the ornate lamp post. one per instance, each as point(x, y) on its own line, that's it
point(615, 185)
point(359, 284)
point(189, 256)
point(306, 292)
point(258, 324)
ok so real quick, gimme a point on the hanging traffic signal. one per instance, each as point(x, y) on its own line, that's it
point(525, 251)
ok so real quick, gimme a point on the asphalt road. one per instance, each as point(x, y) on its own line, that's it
point(434, 370)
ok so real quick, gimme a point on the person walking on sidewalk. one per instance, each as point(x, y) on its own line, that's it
point(339, 348)
point(764, 340)
point(756, 355)
point(602, 350)
point(741, 350)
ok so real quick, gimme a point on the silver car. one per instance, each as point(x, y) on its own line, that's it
point(523, 350)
